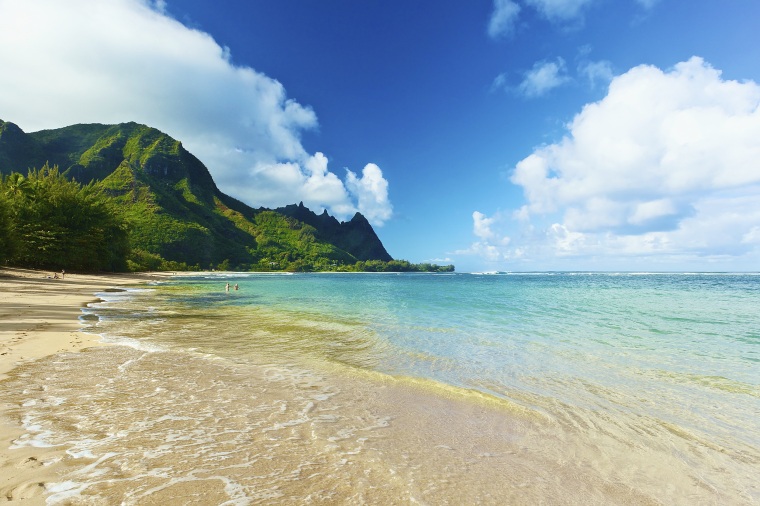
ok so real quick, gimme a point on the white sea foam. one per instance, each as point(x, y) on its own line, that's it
point(124, 294)
point(129, 342)
point(35, 436)
point(81, 454)
point(64, 491)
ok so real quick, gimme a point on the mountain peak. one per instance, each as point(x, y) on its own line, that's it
point(17, 149)
point(355, 236)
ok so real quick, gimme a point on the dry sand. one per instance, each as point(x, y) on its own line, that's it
point(39, 317)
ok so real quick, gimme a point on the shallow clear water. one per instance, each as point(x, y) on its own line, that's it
point(582, 388)
point(643, 342)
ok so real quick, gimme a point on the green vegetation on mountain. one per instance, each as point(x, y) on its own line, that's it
point(348, 236)
point(115, 197)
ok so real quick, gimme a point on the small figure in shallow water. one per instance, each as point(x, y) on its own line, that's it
point(227, 288)
point(236, 287)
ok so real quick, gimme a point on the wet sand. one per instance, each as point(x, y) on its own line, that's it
point(38, 318)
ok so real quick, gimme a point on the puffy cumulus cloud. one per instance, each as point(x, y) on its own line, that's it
point(667, 165)
point(492, 245)
point(119, 60)
point(482, 226)
point(503, 18)
point(111, 61)
point(371, 192)
point(310, 182)
point(543, 77)
point(656, 135)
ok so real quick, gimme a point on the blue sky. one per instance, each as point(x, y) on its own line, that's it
point(495, 135)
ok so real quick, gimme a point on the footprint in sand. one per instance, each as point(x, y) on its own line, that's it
point(29, 463)
point(23, 491)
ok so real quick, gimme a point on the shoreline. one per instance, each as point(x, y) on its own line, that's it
point(391, 415)
point(40, 314)
point(325, 424)
point(39, 318)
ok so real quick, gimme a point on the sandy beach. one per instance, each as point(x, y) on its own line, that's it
point(39, 317)
point(273, 394)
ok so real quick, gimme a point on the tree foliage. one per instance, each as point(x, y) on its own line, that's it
point(50, 222)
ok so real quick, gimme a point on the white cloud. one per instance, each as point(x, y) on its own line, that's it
point(499, 82)
point(484, 250)
point(565, 13)
point(654, 209)
point(90, 61)
point(560, 10)
point(492, 245)
point(371, 191)
point(667, 164)
point(596, 71)
point(503, 18)
point(309, 182)
point(655, 134)
point(544, 77)
point(160, 6)
point(482, 226)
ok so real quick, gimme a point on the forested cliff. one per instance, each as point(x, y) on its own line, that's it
point(147, 203)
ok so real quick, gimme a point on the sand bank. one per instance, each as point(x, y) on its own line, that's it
point(39, 317)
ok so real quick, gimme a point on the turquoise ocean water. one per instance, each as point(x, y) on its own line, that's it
point(647, 383)
point(682, 347)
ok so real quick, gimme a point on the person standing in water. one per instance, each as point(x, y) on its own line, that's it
point(236, 286)
point(227, 288)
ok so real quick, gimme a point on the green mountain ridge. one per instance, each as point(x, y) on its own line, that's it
point(175, 212)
